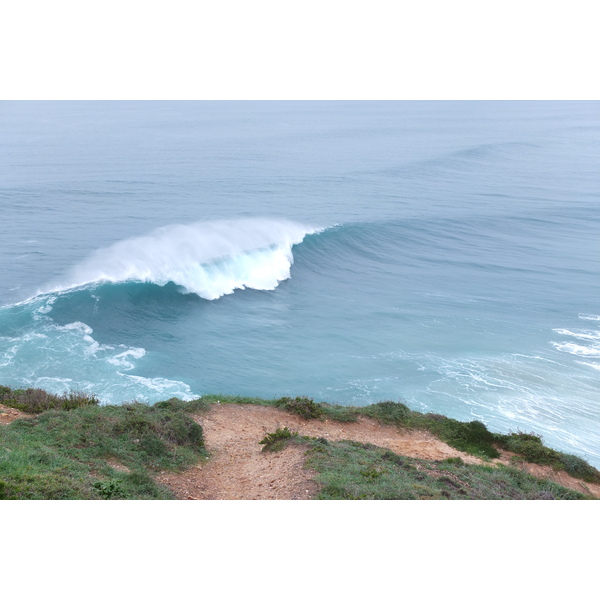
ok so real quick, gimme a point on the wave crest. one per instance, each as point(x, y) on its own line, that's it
point(209, 259)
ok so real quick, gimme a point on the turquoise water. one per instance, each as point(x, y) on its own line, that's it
point(441, 253)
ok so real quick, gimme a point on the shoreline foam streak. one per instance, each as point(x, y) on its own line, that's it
point(209, 259)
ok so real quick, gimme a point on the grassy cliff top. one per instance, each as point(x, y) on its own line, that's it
point(71, 447)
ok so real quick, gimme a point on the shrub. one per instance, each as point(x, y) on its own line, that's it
point(343, 414)
point(109, 490)
point(275, 441)
point(178, 428)
point(577, 467)
point(35, 400)
point(392, 413)
point(530, 448)
point(305, 407)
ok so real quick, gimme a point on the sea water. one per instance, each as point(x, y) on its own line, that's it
point(444, 254)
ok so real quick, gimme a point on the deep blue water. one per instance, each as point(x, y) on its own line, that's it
point(443, 253)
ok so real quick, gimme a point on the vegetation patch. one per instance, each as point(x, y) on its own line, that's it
point(302, 406)
point(273, 442)
point(76, 449)
point(336, 412)
point(530, 448)
point(199, 405)
point(225, 399)
point(36, 401)
point(61, 455)
point(472, 437)
point(351, 471)
point(389, 413)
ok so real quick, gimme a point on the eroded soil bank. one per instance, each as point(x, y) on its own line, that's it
point(238, 469)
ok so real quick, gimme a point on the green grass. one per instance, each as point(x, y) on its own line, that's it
point(529, 447)
point(472, 437)
point(352, 471)
point(224, 399)
point(66, 451)
point(65, 454)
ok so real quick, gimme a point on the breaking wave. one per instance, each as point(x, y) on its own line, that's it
point(209, 259)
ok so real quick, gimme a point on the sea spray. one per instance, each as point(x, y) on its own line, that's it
point(209, 259)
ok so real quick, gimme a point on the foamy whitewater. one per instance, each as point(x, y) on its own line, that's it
point(207, 259)
point(444, 254)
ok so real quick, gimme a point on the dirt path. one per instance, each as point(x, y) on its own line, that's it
point(239, 470)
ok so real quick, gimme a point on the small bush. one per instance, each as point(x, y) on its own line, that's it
point(36, 401)
point(392, 413)
point(577, 467)
point(152, 445)
point(109, 490)
point(530, 448)
point(275, 441)
point(472, 437)
point(171, 404)
point(305, 407)
point(343, 414)
point(178, 428)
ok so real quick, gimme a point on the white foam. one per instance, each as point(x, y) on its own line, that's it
point(76, 326)
point(588, 317)
point(75, 356)
point(120, 360)
point(157, 386)
point(580, 335)
point(576, 349)
point(590, 364)
point(209, 259)
point(46, 308)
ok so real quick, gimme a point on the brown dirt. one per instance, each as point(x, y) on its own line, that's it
point(239, 470)
point(8, 415)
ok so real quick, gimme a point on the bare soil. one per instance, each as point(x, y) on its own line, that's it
point(238, 469)
point(8, 415)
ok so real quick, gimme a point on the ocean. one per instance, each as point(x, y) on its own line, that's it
point(445, 254)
